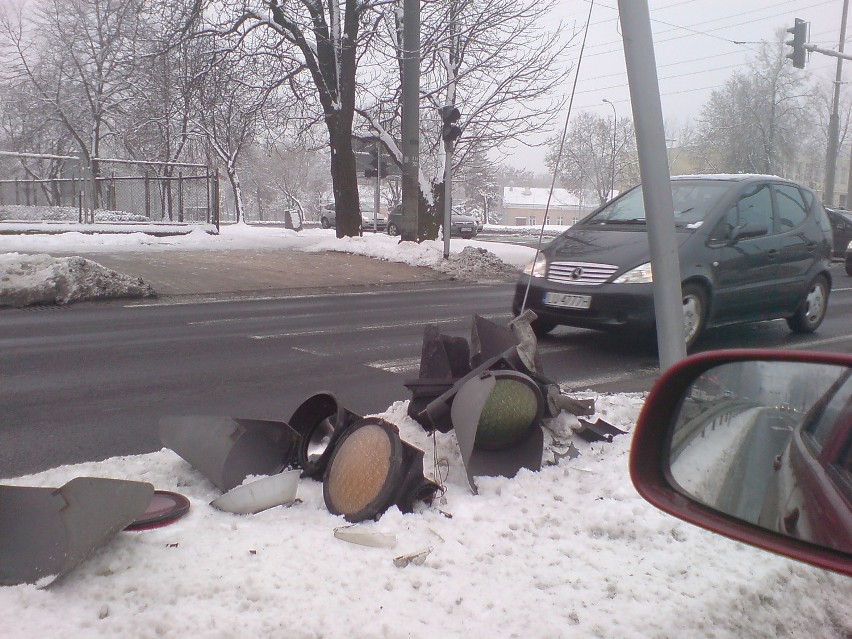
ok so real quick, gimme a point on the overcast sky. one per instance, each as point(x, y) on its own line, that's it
point(698, 45)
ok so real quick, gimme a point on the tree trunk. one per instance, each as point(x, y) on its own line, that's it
point(237, 190)
point(344, 180)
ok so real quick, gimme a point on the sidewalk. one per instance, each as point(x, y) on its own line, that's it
point(241, 272)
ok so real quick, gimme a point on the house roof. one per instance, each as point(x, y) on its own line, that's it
point(535, 197)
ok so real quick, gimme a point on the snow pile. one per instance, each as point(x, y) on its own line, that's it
point(41, 279)
point(469, 260)
point(570, 551)
point(476, 264)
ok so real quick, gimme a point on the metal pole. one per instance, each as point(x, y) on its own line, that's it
point(833, 121)
point(377, 186)
point(410, 145)
point(448, 197)
point(612, 161)
point(656, 181)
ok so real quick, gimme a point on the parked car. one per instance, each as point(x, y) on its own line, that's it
point(751, 248)
point(461, 225)
point(735, 472)
point(849, 259)
point(841, 227)
point(328, 218)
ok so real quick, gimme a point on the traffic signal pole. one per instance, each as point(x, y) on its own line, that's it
point(834, 121)
point(410, 143)
point(656, 181)
point(377, 187)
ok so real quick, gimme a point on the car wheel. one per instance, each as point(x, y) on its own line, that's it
point(325, 223)
point(848, 267)
point(812, 309)
point(694, 312)
point(392, 230)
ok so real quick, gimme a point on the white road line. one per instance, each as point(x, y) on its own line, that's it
point(375, 327)
point(583, 384)
point(295, 296)
point(403, 365)
point(310, 351)
point(819, 342)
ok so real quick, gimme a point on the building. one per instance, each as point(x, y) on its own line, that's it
point(525, 206)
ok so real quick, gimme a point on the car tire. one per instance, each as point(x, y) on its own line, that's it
point(325, 223)
point(694, 313)
point(392, 230)
point(813, 308)
point(848, 267)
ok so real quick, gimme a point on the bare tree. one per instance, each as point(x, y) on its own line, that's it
point(329, 37)
point(599, 154)
point(77, 57)
point(755, 122)
point(498, 61)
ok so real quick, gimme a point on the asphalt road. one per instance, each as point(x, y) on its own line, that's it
point(91, 381)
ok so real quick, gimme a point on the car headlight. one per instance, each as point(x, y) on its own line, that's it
point(642, 274)
point(538, 267)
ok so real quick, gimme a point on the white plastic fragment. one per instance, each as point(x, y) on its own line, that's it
point(363, 538)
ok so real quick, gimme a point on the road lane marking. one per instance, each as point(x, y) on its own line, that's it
point(237, 297)
point(584, 384)
point(819, 342)
point(374, 327)
point(402, 365)
point(412, 364)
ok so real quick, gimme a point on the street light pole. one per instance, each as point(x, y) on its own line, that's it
point(612, 161)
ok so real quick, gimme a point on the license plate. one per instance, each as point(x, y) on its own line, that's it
point(465, 229)
point(563, 300)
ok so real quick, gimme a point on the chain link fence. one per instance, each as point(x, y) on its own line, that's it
point(155, 191)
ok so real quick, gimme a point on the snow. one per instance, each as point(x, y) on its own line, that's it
point(20, 271)
point(569, 551)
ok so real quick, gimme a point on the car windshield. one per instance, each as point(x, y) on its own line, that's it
point(692, 200)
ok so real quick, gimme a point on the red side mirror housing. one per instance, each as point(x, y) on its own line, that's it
point(805, 465)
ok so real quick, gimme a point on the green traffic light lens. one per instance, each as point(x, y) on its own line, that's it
point(507, 416)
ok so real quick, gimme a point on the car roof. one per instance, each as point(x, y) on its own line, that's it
point(731, 177)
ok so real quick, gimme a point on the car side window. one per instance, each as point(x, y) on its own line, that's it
point(753, 208)
point(790, 207)
point(820, 428)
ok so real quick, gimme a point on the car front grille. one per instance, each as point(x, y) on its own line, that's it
point(580, 273)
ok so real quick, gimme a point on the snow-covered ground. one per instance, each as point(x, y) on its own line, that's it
point(569, 551)
point(23, 263)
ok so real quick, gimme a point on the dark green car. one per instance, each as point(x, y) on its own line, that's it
point(751, 248)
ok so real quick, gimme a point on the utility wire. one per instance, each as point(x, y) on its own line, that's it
point(558, 156)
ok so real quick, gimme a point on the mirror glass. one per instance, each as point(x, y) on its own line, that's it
point(770, 443)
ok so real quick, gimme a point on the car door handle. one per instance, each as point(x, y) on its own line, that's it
point(772, 255)
point(811, 246)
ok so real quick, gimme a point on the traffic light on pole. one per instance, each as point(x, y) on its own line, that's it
point(375, 169)
point(800, 34)
point(450, 131)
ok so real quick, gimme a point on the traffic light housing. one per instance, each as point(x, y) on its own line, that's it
point(800, 35)
point(450, 131)
point(376, 167)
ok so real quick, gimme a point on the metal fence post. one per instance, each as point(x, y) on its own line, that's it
point(180, 196)
point(147, 196)
point(216, 199)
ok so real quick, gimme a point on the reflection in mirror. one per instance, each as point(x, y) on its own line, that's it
point(770, 443)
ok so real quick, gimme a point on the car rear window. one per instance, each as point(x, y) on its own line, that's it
point(791, 206)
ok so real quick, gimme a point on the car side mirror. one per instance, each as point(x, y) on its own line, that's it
point(747, 230)
point(755, 445)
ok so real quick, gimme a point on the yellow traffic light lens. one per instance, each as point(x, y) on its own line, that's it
point(359, 471)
